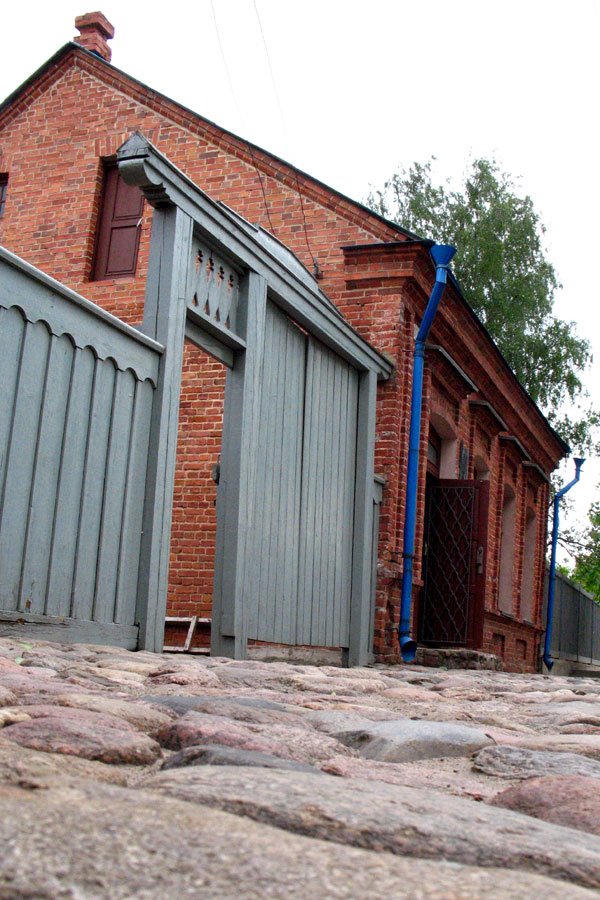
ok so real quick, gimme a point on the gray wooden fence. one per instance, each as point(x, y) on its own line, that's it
point(576, 630)
point(76, 397)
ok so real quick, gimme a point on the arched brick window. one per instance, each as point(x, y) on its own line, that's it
point(447, 447)
point(527, 581)
point(507, 552)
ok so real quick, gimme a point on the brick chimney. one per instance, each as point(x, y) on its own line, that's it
point(95, 32)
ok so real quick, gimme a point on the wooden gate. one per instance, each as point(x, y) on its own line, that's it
point(451, 608)
point(88, 430)
point(306, 474)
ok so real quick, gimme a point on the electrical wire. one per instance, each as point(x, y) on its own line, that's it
point(240, 114)
point(283, 122)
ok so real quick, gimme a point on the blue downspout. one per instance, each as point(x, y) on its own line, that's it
point(549, 662)
point(442, 255)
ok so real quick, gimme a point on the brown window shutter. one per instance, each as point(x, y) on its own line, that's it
point(118, 228)
point(3, 190)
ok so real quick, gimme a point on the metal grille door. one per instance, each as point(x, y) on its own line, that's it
point(451, 561)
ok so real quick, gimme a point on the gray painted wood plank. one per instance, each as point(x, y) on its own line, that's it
point(337, 499)
point(44, 300)
point(275, 552)
point(36, 556)
point(114, 497)
point(358, 652)
point(328, 545)
point(264, 484)
point(295, 404)
point(349, 504)
point(164, 321)
point(23, 626)
point(238, 510)
point(131, 534)
point(12, 331)
point(66, 518)
point(90, 515)
point(210, 344)
point(21, 462)
point(307, 505)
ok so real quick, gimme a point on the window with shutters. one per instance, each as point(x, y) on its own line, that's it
point(3, 190)
point(118, 227)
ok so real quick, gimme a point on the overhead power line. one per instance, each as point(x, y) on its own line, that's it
point(240, 114)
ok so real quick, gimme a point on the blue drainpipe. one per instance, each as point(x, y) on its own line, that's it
point(549, 662)
point(442, 255)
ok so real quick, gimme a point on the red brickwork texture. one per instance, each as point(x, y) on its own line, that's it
point(53, 139)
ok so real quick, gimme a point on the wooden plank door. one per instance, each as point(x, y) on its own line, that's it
point(276, 542)
point(302, 547)
point(328, 481)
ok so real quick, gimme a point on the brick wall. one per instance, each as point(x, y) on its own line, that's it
point(52, 142)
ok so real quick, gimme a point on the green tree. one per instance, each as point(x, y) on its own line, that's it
point(587, 565)
point(505, 276)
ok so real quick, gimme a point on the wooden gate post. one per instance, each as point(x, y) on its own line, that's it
point(164, 320)
point(233, 593)
point(359, 651)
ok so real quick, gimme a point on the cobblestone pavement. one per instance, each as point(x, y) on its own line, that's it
point(138, 775)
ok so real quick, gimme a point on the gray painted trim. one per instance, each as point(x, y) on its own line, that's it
point(234, 559)
point(64, 630)
point(66, 293)
point(162, 183)
point(220, 334)
point(360, 604)
point(208, 343)
point(164, 320)
point(83, 324)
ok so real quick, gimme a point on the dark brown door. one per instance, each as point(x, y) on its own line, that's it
point(454, 552)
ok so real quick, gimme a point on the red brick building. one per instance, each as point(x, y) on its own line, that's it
point(487, 451)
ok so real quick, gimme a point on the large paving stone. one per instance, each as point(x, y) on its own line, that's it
point(518, 762)
point(453, 775)
point(572, 800)
point(404, 740)
point(193, 851)
point(242, 709)
point(197, 676)
point(334, 721)
point(74, 737)
point(93, 719)
point(301, 744)
point(402, 820)
point(142, 716)
point(219, 755)
point(585, 744)
point(34, 769)
point(7, 697)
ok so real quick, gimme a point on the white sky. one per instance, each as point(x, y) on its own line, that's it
point(363, 89)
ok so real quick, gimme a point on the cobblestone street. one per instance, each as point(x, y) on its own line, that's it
point(139, 775)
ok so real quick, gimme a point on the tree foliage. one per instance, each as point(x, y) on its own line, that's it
point(505, 276)
point(587, 565)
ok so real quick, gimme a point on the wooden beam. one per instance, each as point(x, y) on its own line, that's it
point(232, 595)
point(164, 321)
point(360, 603)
